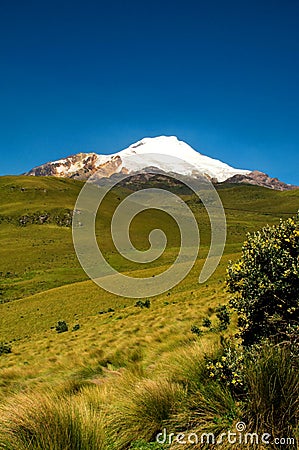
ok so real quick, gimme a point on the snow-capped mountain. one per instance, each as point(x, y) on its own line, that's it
point(147, 153)
point(152, 152)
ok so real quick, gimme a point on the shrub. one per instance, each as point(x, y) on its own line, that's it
point(76, 327)
point(223, 316)
point(227, 367)
point(206, 322)
point(196, 330)
point(145, 304)
point(265, 282)
point(61, 326)
point(292, 342)
point(5, 348)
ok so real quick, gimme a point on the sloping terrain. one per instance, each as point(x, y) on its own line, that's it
point(42, 281)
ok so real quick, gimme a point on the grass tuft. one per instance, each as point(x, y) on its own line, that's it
point(143, 409)
point(48, 422)
point(273, 392)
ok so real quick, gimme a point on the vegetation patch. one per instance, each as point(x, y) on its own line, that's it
point(183, 365)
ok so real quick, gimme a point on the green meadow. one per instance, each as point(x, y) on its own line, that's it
point(104, 374)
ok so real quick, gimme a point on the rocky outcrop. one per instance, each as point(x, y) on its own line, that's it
point(81, 161)
point(61, 218)
point(261, 179)
point(103, 170)
point(79, 167)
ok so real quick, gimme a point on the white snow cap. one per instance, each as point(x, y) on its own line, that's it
point(172, 146)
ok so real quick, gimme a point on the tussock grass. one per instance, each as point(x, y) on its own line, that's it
point(273, 392)
point(187, 364)
point(142, 409)
point(126, 406)
point(50, 422)
point(211, 409)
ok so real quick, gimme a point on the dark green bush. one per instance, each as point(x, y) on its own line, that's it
point(5, 348)
point(141, 304)
point(206, 322)
point(61, 326)
point(196, 330)
point(223, 316)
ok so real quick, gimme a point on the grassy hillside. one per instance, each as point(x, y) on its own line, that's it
point(35, 258)
point(42, 283)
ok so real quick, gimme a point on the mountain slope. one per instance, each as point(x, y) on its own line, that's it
point(37, 255)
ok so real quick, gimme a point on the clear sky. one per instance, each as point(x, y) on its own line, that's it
point(81, 76)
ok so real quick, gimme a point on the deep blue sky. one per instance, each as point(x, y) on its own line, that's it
point(96, 76)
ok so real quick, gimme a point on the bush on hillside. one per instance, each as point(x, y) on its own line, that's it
point(196, 330)
point(206, 322)
point(145, 304)
point(223, 316)
point(61, 326)
point(227, 367)
point(4, 348)
point(265, 283)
